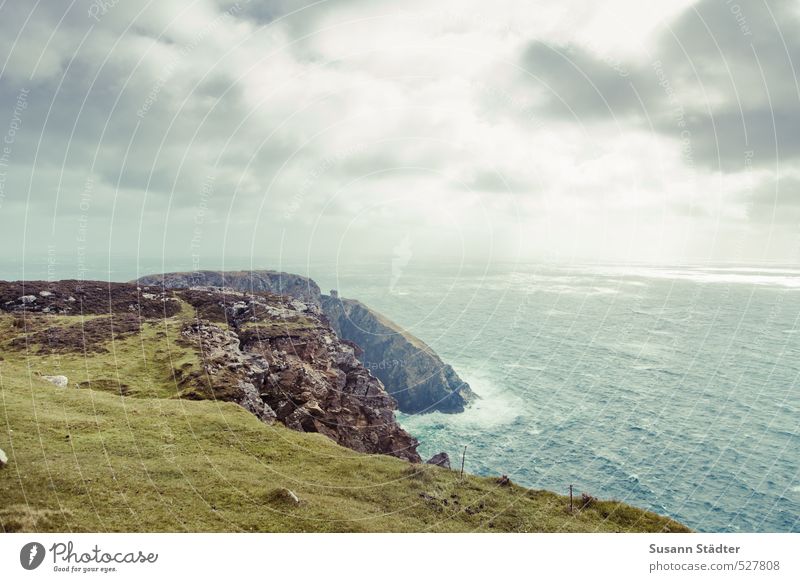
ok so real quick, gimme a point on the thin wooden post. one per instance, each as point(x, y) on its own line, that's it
point(463, 458)
point(570, 498)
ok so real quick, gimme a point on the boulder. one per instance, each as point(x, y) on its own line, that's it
point(503, 481)
point(440, 460)
point(60, 381)
point(282, 496)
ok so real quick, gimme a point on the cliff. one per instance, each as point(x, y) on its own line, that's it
point(271, 354)
point(410, 370)
point(134, 409)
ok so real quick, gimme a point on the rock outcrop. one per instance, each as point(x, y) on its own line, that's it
point(411, 371)
point(60, 381)
point(249, 281)
point(279, 360)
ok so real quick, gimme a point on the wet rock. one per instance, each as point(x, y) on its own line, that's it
point(60, 381)
point(440, 459)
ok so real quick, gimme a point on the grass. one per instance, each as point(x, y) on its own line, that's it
point(147, 364)
point(92, 460)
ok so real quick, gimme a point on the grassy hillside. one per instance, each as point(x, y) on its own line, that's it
point(86, 458)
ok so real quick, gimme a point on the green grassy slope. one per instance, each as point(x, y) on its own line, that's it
point(89, 459)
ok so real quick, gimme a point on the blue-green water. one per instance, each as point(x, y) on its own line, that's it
point(674, 389)
point(670, 389)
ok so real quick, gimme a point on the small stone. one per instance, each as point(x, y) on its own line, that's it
point(27, 299)
point(3, 459)
point(283, 496)
point(45, 293)
point(60, 381)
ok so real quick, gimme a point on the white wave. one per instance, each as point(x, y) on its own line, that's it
point(525, 367)
point(495, 407)
point(789, 278)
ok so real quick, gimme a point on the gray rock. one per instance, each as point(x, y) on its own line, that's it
point(409, 369)
point(296, 286)
point(440, 460)
point(3, 459)
point(27, 299)
point(60, 381)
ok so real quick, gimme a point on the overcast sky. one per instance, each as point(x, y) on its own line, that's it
point(625, 130)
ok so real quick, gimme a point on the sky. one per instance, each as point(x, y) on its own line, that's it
point(346, 130)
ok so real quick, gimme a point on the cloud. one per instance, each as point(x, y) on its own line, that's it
point(721, 76)
point(293, 126)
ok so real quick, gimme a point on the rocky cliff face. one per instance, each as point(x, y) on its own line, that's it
point(409, 369)
point(249, 281)
point(412, 372)
point(272, 354)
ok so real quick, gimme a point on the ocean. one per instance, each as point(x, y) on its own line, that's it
point(669, 388)
point(673, 389)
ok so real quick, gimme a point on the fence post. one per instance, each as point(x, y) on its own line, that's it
point(463, 458)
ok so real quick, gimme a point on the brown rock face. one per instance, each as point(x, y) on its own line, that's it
point(280, 361)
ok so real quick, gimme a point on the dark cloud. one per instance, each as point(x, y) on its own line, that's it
point(721, 80)
point(578, 85)
point(775, 201)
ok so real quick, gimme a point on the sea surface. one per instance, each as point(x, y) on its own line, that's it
point(675, 389)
